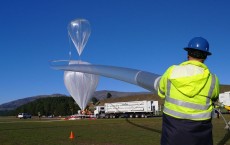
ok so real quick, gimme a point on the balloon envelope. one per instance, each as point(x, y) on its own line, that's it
point(79, 32)
point(81, 86)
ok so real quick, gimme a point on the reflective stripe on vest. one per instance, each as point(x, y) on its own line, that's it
point(188, 116)
point(190, 105)
point(163, 93)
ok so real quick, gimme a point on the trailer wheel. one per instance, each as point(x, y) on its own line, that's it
point(137, 115)
point(143, 115)
point(131, 116)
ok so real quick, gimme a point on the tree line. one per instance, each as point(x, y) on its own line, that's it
point(55, 106)
point(50, 106)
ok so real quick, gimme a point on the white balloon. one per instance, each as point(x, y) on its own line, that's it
point(79, 32)
point(81, 86)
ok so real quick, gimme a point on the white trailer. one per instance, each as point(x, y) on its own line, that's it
point(130, 109)
point(224, 98)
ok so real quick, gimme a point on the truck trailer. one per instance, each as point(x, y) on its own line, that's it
point(131, 109)
point(224, 98)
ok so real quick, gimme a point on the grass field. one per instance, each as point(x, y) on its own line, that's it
point(121, 131)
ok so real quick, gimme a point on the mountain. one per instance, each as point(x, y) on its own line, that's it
point(224, 88)
point(14, 104)
point(100, 95)
point(134, 97)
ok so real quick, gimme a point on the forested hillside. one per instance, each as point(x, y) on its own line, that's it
point(49, 106)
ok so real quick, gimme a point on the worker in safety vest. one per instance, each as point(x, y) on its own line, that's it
point(189, 90)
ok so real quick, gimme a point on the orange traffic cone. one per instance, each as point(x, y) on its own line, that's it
point(71, 135)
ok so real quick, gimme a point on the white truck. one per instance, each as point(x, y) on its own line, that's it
point(24, 116)
point(131, 109)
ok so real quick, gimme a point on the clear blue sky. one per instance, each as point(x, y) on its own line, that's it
point(143, 34)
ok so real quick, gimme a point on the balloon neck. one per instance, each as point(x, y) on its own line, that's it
point(79, 57)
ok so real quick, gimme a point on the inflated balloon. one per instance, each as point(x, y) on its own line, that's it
point(79, 32)
point(81, 86)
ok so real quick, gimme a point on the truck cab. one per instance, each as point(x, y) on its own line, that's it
point(99, 112)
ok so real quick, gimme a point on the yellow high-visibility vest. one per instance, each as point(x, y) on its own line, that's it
point(188, 90)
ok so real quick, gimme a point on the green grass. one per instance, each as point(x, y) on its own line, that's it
point(122, 131)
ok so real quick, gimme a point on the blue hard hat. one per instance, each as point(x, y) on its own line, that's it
point(198, 43)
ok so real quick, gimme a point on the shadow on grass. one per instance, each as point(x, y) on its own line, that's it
point(225, 138)
point(143, 127)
